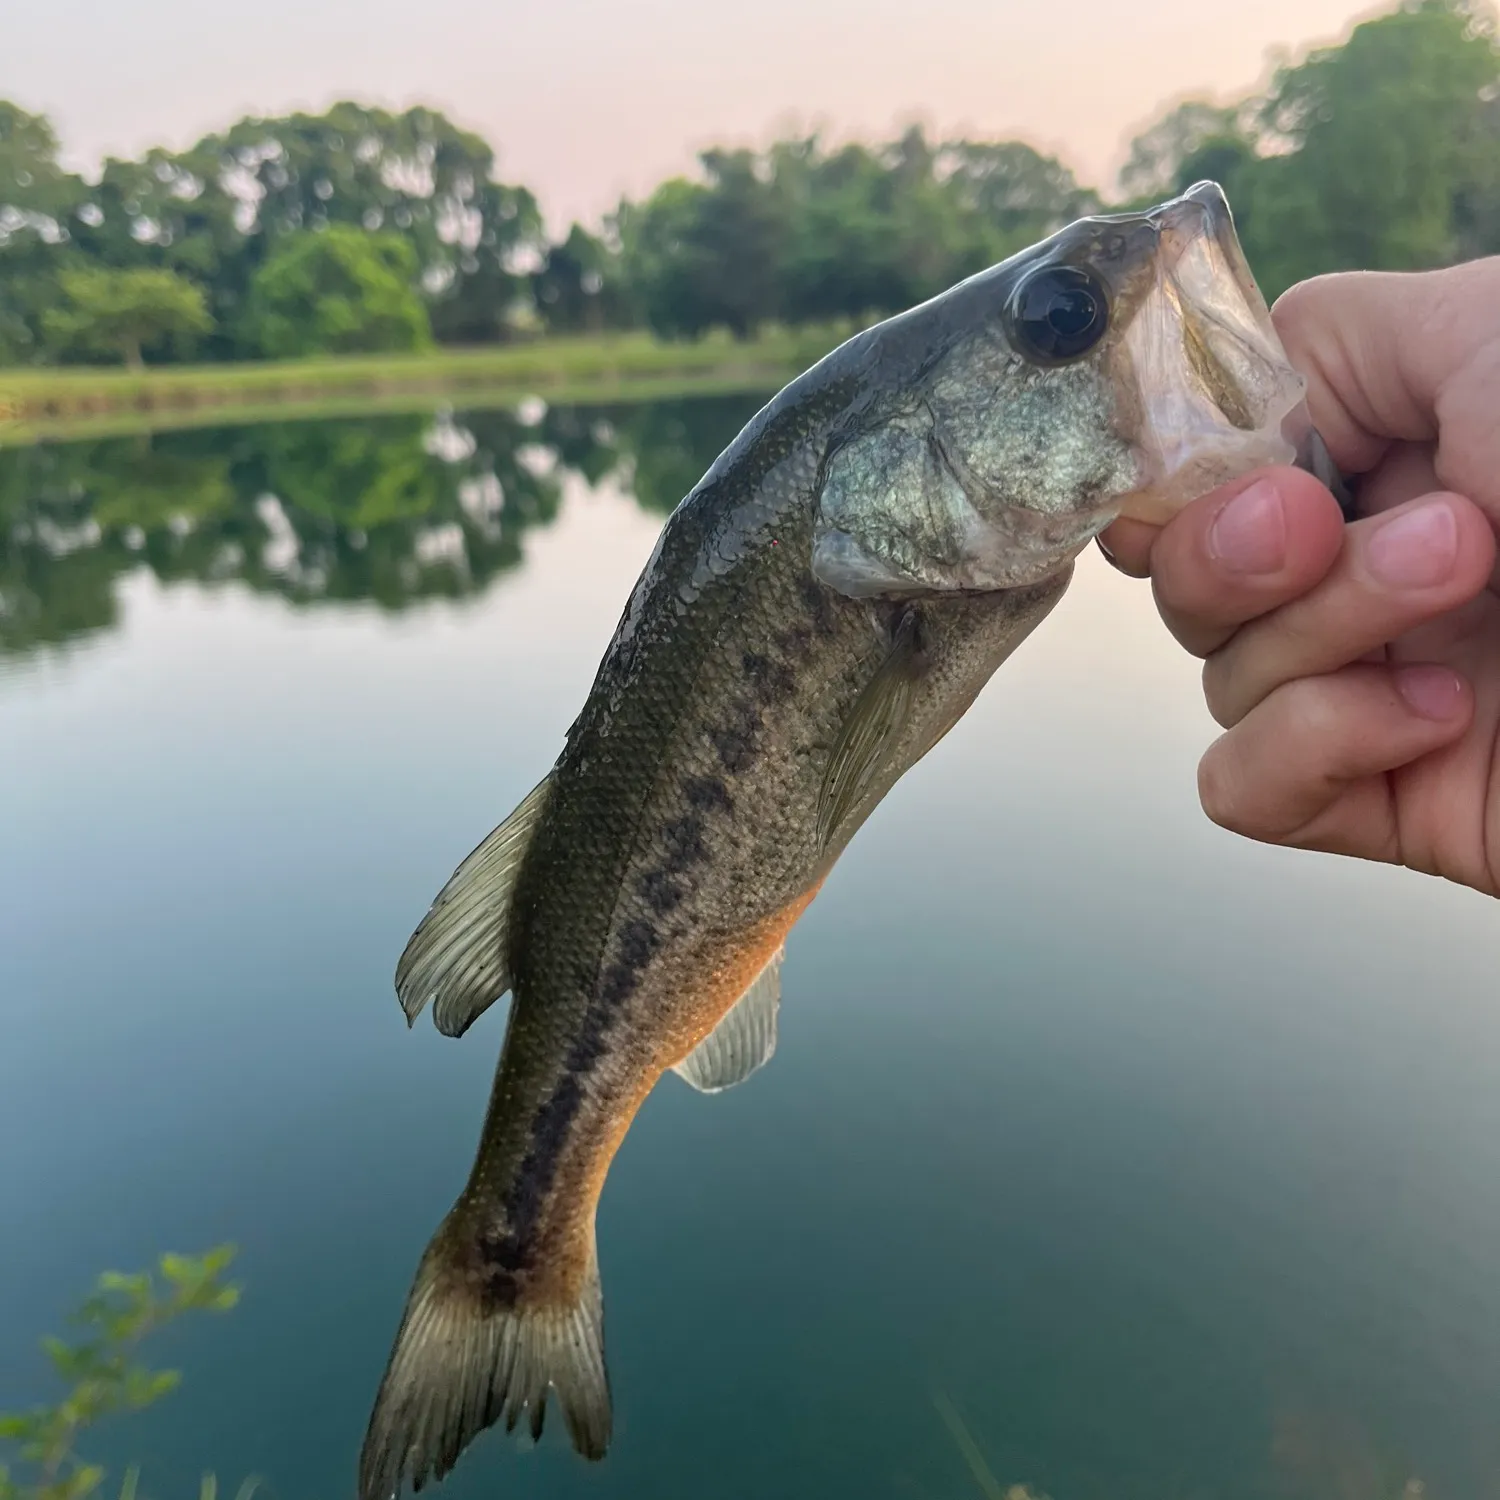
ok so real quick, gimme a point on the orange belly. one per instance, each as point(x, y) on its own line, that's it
point(715, 989)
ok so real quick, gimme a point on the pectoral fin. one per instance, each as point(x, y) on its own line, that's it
point(742, 1041)
point(868, 738)
point(457, 957)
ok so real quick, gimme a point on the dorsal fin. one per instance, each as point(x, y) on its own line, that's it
point(457, 957)
point(743, 1040)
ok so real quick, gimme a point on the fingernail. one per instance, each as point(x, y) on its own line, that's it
point(1433, 692)
point(1249, 534)
point(1415, 549)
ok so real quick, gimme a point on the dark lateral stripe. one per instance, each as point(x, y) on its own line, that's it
point(637, 943)
point(553, 1121)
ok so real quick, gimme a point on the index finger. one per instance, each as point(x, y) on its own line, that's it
point(1241, 551)
point(1403, 356)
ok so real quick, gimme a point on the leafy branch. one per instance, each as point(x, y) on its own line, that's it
point(103, 1375)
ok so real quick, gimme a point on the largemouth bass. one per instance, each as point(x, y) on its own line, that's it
point(817, 614)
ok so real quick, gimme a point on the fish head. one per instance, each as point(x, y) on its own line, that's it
point(1123, 366)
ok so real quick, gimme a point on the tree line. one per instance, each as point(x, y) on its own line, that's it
point(361, 230)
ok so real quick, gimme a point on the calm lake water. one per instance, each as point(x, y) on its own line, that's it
point(1172, 1162)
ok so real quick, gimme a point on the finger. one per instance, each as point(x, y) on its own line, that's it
point(1309, 766)
point(1126, 545)
point(1408, 356)
point(1396, 571)
point(1241, 551)
point(1406, 471)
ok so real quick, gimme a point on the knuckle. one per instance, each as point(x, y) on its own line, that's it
point(1296, 637)
point(1223, 692)
point(1313, 718)
point(1293, 302)
point(1304, 317)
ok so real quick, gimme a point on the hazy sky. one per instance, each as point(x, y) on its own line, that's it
point(586, 100)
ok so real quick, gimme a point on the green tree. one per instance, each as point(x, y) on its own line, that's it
point(1380, 153)
point(1015, 192)
point(866, 234)
point(1156, 165)
point(32, 183)
point(36, 199)
point(416, 175)
point(173, 211)
point(708, 254)
point(121, 313)
point(216, 211)
point(1476, 209)
point(804, 234)
point(336, 291)
point(579, 287)
point(1376, 143)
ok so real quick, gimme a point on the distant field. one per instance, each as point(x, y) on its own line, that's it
point(89, 402)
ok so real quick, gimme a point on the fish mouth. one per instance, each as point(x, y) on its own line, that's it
point(1214, 392)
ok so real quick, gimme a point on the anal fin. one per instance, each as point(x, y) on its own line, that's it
point(744, 1039)
point(457, 957)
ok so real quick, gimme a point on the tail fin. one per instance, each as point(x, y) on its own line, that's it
point(459, 1365)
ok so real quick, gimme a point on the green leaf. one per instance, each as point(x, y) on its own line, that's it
point(217, 1260)
point(86, 1480)
point(144, 1387)
point(179, 1269)
point(130, 1483)
point(64, 1357)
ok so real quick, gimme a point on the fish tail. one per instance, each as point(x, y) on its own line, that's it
point(464, 1357)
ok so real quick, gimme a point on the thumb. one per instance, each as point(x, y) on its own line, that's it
point(1408, 357)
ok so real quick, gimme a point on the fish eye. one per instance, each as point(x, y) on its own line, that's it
point(1058, 313)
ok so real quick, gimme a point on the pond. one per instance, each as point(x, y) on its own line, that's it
point(1168, 1165)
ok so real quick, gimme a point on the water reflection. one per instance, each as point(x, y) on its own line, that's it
point(392, 509)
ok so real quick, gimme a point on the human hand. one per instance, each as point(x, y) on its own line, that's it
point(1356, 668)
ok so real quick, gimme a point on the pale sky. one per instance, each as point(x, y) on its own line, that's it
point(585, 100)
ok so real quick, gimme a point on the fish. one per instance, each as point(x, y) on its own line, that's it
point(817, 614)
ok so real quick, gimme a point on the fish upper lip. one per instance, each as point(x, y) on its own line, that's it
point(1205, 195)
point(1201, 212)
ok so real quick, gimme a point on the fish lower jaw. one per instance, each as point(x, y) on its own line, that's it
point(1199, 457)
point(1017, 547)
point(1013, 548)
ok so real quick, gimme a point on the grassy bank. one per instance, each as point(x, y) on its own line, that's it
point(40, 403)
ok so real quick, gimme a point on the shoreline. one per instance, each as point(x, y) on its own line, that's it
point(46, 403)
